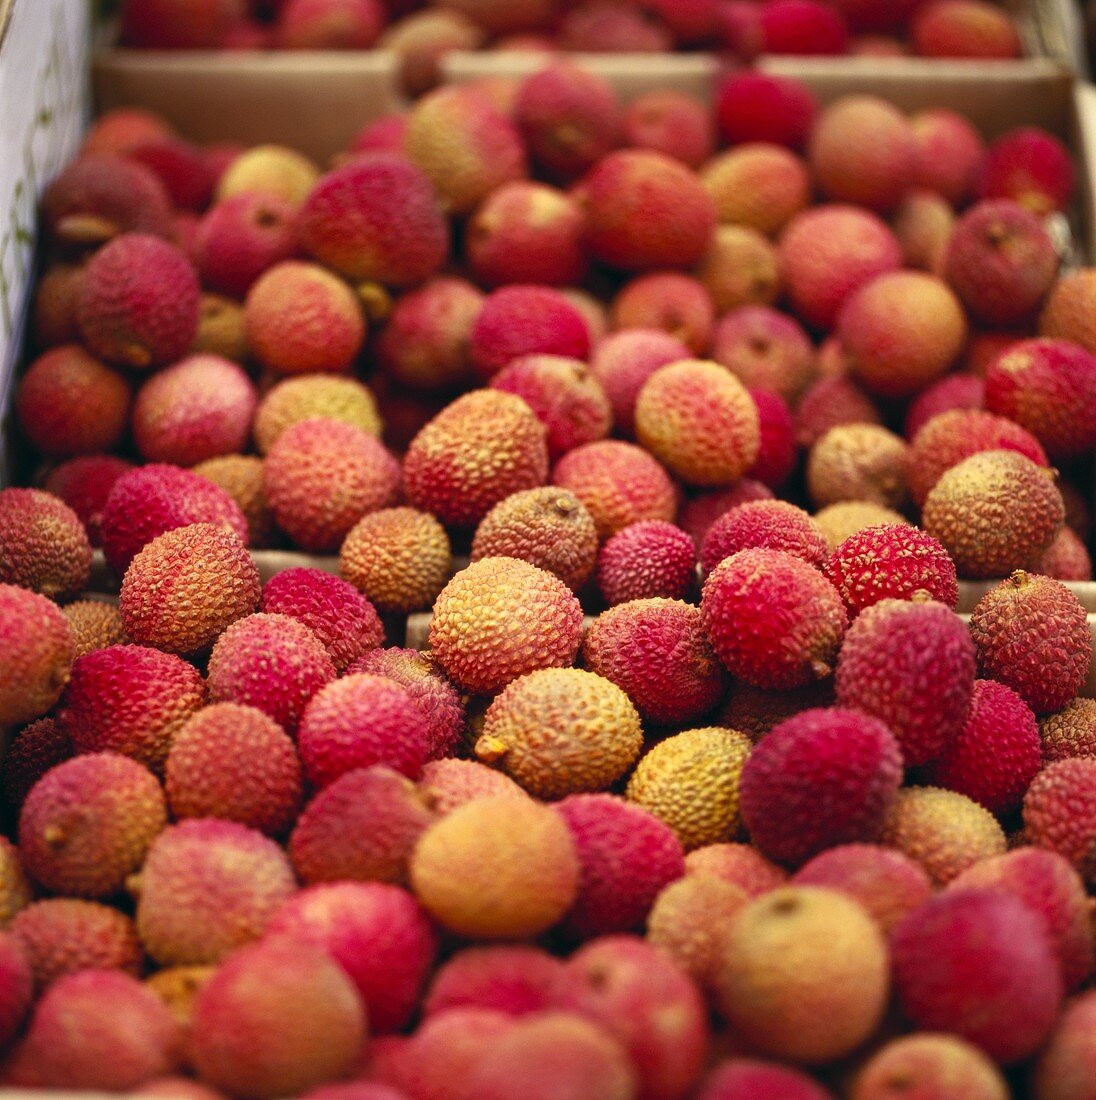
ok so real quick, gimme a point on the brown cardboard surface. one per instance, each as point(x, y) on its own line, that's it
point(313, 101)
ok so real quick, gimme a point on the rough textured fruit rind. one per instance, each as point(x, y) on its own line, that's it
point(823, 777)
point(497, 868)
point(500, 618)
point(691, 781)
point(561, 731)
point(773, 620)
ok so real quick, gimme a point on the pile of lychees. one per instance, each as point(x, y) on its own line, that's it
point(700, 787)
point(422, 32)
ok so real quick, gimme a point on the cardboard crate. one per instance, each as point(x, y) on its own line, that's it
point(316, 101)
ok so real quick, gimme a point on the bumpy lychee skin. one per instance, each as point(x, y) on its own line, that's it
point(739, 864)
point(949, 151)
point(1058, 812)
point(100, 196)
point(450, 782)
point(647, 560)
point(901, 331)
point(398, 557)
point(627, 856)
point(464, 145)
point(618, 482)
point(996, 754)
point(71, 1043)
point(522, 320)
point(691, 782)
point(557, 1053)
point(1070, 732)
point(568, 117)
point(233, 762)
point(1049, 388)
point(948, 438)
point(758, 184)
point(823, 777)
point(935, 1065)
point(424, 342)
point(242, 236)
point(1048, 884)
point(139, 302)
point(277, 1019)
point(778, 453)
point(1065, 1065)
point(196, 409)
point(887, 883)
point(150, 500)
point(667, 300)
point(829, 252)
point(301, 318)
point(739, 1078)
point(1067, 558)
point(497, 868)
point(130, 699)
point(1000, 261)
point(312, 396)
point(359, 721)
point(755, 106)
point(857, 462)
point(376, 932)
point(344, 621)
point(891, 561)
point(944, 831)
point(568, 400)
point(961, 390)
point(375, 219)
point(740, 268)
point(328, 24)
point(657, 652)
point(965, 28)
point(525, 232)
point(831, 402)
point(846, 518)
point(17, 984)
point(321, 476)
point(63, 935)
point(207, 887)
point(501, 618)
point(363, 826)
point(419, 674)
point(43, 544)
point(700, 421)
point(560, 731)
point(994, 512)
point(763, 524)
point(910, 664)
point(765, 348)
point(69, 403)
point(672, 123)
point(804, 974)
point(547, 527)
point(773, 620)
point(516, 980)
point(88, 822)
point(1067, 312)
point(698, 513)
point(31, 753)
point(186, 586)
point(641, 997)
point(84, 484)
point(1032, 635)
point(862, 151)
point(646, 211)
point(1031, 167)
point(475, 453)
point(1009, 1003)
